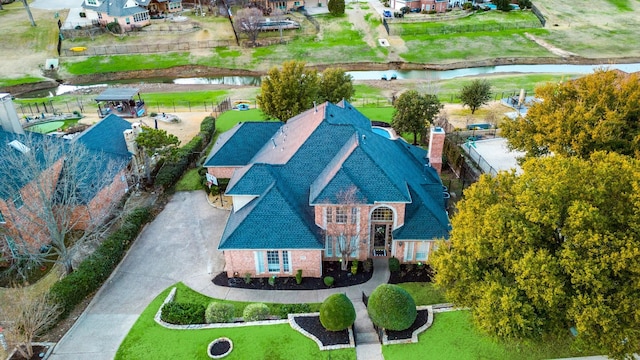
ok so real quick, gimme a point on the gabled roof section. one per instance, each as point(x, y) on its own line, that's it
point(291, 137)
point(237, 146)
point(251, 180)
point(252, 227)
point(425, 218)
point(107, 136)
point(345, 114)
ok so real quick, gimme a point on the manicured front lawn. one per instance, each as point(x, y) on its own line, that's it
point(148, 340)
point(453, 336)
point(424, 293)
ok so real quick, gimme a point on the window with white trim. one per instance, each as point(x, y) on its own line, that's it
point(329, 214)
point(354, 246)
point(286, 261)
point(341, 215)
point(273, 262)
point(12, 245)
point(92, 2)
point(382, 214)
point(408, 251)
point(423, 251)
point(354, 215)
point(17, 201)
point(340, 245)
point(328, 247)
point(259, 259)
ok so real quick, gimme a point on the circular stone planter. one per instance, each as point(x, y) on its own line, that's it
point(220, 348)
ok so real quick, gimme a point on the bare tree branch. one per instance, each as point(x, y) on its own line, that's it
point(344, 227)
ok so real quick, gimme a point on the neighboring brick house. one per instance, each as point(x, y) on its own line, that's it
point(438, 6)
point(19, 227)
point(284, 5)
point(160, 7)
point(286, 193)
point(127, 13)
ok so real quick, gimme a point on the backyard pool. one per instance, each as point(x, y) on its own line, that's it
point(382, 132)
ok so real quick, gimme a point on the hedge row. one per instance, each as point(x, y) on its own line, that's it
point(172, 169)
point(94, 270)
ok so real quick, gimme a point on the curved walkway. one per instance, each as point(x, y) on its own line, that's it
point(181, 245)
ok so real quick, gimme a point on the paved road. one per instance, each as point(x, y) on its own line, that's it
point(180, 245)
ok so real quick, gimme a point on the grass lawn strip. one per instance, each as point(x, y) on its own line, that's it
point(148, 340)
point(424, 293)
point(453, 336)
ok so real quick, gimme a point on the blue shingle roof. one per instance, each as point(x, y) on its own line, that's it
point(246, 228)
point(107, 135)
point(239, 145)
point(326, 151)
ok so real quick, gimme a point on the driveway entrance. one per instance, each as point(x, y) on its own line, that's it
point(179, 245)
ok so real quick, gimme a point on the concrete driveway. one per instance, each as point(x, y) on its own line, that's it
point(179, 245)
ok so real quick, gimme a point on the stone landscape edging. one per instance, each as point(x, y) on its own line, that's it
point(172, 295)
point(416, 332)
point(295, 326)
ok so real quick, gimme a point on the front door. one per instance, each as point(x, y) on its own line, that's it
point(380, 239)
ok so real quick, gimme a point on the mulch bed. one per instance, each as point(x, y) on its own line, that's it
point(421, 319)
point(37, 349)
point(330, 268)
point(312, 325)
point(411, 273)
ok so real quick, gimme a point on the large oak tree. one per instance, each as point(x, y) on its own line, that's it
point(600, 111)
point(554, 248)
point(286, 93)
point(414, 112)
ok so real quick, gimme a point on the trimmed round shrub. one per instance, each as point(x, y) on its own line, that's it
point(182, 313)
point(219, 312)
point(337, 312)
point(392, 307)
point(328, 281)
point(394, 264)
point(255, 312)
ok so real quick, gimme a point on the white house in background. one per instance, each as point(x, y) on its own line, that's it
point(127, 13)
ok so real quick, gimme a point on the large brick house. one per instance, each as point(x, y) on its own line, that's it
point(438, 6)
point(22, 192)
point(127, 13)
point(287, 184)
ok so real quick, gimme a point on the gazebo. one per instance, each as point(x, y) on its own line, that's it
point(122, 102)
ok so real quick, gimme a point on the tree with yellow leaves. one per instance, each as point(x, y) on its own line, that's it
point(553, 248)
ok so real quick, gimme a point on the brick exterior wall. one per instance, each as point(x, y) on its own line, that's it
point(243, 262)
point(222, 172)
point(24, 224)
point(399, 251)
point(365, 243)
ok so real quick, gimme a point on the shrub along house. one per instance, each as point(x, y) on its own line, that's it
point(22, 192)
point(288, 190)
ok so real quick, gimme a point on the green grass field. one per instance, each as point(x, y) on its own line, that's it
point(148, 340)
point(478, 22)
point(438, 49)
point(424, 293)
point(115, 63)
point(453, 336)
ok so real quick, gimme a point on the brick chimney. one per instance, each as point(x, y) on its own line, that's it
point(9, 120)
point(436, 146)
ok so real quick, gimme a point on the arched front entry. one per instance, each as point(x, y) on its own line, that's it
point(381, 221)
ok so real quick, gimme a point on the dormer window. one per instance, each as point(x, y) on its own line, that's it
point(17, 201)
